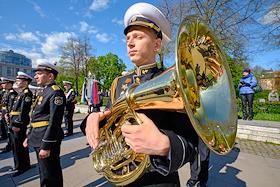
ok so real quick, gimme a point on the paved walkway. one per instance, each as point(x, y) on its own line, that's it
point(250, 163)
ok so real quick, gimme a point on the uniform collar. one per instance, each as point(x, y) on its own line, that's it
point(50, 84)
point(145, 69)
point(24, 88)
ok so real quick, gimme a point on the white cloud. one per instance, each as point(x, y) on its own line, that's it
point(28, 36)
point(85, 27)
point(24, 36)
point(118, 21)
point(103, 37)
point(98, 5)
point(54, 42)
point(37, 9)
point(10, 36)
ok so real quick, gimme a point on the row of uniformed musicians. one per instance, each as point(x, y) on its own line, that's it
point(47, 111)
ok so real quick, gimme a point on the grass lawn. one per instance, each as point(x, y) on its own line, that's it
point(267, 116)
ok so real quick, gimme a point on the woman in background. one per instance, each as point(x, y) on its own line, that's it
point(246, 84)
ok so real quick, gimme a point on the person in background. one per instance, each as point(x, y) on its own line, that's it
point(168, 137)
point(273, 96)
point(3, 133)
point(46, 134)
point(19, 121)
point(246, 92)
point(69, 107)
point(7, 104)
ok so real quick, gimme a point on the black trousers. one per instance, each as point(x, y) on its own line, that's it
point(199, 166)
point(150, 179)
point(21, 154)
point(247, 99)
point(68, 119)
point(49, 168)
point(3, 130)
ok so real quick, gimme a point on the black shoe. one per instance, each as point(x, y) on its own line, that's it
point(12, 169)
point(19, 172)
point(250, 118)
point(192, 183)
point(68, 134)
point(5, 150)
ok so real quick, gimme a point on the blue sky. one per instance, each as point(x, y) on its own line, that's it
point(38, 28)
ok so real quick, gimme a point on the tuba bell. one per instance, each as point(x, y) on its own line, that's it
point(199, 85)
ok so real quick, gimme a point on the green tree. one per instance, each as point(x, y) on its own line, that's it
point(74, 59)
point(236, 70)
point(106, 68)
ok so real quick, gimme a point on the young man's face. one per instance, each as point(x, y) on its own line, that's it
point(7, 86)
point(245, 73)
point(21, 83)
point(142, 45)
point(43, 77)
point(67, 87)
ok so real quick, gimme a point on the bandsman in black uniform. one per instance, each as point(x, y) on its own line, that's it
point(46, 133)
point(69, 107)
point(3, 133)
point(20, 119)
point(199, 166)
point(7, 104)
point(168, 137)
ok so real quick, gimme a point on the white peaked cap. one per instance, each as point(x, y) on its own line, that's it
point(67, 82)
point(45, 65)
point(151, 13)
point(22, 75)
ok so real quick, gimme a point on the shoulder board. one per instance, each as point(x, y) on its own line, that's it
point(55, 87)
point(25, 91)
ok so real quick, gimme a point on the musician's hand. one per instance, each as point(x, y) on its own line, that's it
point(92, 127)
point(44, 153)
point(7, 118)
point(15, 129)
point(146, 137)
point(25, 143)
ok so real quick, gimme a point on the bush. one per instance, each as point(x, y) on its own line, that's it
point(267, 107)
point(263, 111)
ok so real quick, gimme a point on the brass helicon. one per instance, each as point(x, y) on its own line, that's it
point(199, 85)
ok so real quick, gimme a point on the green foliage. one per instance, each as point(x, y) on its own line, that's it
point(106, 68)
point(262, 95)
point(64, 76)
point(105, 101)
point(267, 107)
point(236, 71)
point(267, 116)
point(263, 110)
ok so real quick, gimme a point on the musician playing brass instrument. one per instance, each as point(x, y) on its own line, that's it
point(168, 137)
point(149, 130)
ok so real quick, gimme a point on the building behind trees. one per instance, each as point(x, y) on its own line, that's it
point(11, 63)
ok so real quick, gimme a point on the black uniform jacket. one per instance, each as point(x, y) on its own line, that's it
point(46, 118)
point(20, 111)
point(8, 100)
point(2, 91)
point(70, 100)
point(176, 126)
